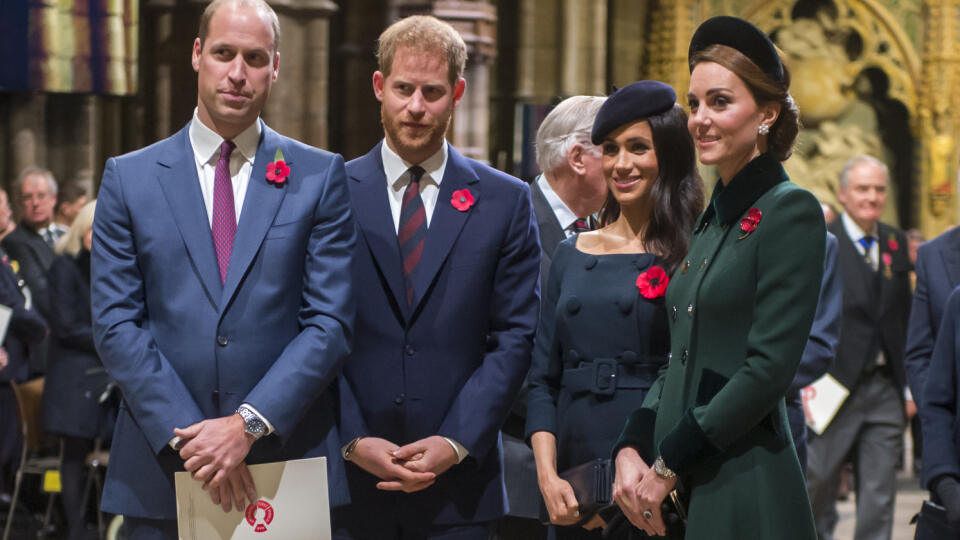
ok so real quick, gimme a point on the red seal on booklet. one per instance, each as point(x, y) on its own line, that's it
point(256, 519)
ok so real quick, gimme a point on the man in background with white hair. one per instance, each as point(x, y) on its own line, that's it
point(565, 197)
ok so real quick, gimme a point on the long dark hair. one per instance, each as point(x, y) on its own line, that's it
point(677, 193)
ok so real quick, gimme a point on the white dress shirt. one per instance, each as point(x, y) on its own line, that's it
point(206, 152)
point(565, 216)
point(856, 233)
point(395, 168)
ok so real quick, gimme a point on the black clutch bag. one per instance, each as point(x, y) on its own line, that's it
point(932, 523)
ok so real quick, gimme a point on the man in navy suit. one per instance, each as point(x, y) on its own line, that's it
point(447, 268)
point(221, 289)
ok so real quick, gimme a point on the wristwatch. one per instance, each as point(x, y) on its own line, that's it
point(349, 448)
point(252, 423)
point(661, 469)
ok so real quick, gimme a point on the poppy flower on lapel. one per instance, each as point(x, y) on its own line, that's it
point(653, 283)
point(462, 199)
point(892, 243)
point(278, 170)
point(750, 221)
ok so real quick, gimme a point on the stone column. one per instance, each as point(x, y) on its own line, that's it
point(583, 58)
point(628, 23)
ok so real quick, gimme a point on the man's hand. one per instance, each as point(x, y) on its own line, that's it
point(238, 486)
point(375, 456)
point(4, 359)
point(911, 408)
point(213, 448)
point(630, 469)
point(433, 454)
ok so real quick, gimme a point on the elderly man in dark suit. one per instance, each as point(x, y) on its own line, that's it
point(447, 266)
point(869, 363)
point(566, 196)
point(221, 291)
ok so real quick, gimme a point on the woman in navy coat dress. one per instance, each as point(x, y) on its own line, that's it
point(75, 376)
point(602, 335)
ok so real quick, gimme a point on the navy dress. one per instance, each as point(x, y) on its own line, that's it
point(594, 323)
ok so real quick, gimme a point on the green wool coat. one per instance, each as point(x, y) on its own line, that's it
point(740, 308)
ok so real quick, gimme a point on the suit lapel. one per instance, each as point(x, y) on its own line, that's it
point(181, 188)
point(372, 211)
point(446, 223)
point(858, 277)
point(951, 257)
point(260, 206)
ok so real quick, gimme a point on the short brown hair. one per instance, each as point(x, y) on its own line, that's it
point(423, 33)
point(765, 90)
point(260, 5)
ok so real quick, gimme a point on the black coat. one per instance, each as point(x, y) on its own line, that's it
point(26, 329)
point(876, 306)
point(75, 376)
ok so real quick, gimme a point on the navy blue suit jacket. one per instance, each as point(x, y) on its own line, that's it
point(938, 404)
point(185, 348)
point(938, 272)
point(452, 363)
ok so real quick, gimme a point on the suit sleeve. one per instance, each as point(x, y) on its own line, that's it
point(789, 264)
point(313, 359)
point(821, 347)
point(920, 331)
point(475, 416)
point(938, 408)
point(152, 389)
point(546, 369)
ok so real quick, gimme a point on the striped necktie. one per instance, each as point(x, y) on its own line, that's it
point(412, 231)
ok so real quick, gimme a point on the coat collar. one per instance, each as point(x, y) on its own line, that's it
point(729, 202)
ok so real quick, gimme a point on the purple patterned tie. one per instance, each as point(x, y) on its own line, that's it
point(224, 224)
point(413, 229)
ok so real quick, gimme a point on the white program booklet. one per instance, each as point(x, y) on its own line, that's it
point(293, 504)
point(821, 401)
point(6, 314)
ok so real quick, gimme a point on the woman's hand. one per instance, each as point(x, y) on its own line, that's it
point(653, 489)
point(561, 503)
point(630, 471)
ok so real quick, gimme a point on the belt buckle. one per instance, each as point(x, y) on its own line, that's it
point(604, 376)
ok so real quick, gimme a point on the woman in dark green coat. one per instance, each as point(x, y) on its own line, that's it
point(740, 309)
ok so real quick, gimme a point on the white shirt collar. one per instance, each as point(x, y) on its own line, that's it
point(206, 142)
point(854, 231)
point(395, 167)
point(565, 216)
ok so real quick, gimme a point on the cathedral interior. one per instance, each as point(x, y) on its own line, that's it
point(89, 79)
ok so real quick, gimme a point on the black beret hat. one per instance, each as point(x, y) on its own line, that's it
point(742, 36)
point(641, 99)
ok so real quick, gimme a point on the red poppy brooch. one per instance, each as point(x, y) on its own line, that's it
point(749, 222)
point(892, 243)
point(278, 170)
point(653, 283)
point(462, 199)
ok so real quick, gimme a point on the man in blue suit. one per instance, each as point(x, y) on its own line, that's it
point(221, 288)
point(447, 271)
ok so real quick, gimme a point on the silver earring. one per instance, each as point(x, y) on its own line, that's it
point(763, 129)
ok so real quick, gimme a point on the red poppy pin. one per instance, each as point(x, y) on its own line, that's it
point(462, 199)
point(892, 243)
point(749, 222)
point(278, 170)
point(653, 283)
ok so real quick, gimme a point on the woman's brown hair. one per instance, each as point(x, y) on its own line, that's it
point(783, 132)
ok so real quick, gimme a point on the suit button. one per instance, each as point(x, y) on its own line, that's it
point(222, 341)
point(685, 267)
point(399, 399)
point(704, 264)
point(690, 310)
point(674, 310)
point(683, 356)
point(409, 350)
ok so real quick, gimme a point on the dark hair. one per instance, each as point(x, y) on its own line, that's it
point(677, 193)
point(783, 132)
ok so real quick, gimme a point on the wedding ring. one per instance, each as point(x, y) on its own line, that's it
point(647, 514)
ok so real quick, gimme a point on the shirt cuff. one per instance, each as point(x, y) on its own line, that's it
point(907, 394)
point(458, 448)
point(262, 417)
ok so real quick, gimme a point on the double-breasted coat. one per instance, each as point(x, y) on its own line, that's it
point(740, 308)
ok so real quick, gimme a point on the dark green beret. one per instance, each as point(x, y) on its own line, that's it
point(742, 36)
point(641, 99)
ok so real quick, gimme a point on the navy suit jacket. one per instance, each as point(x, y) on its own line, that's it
point(185, 348)
point(451, 363)
point(938, 272)
point(938, 404)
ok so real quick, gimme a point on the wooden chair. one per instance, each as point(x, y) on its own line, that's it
point(29, 397)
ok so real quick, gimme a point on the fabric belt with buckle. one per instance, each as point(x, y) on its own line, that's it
point(603, 376)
